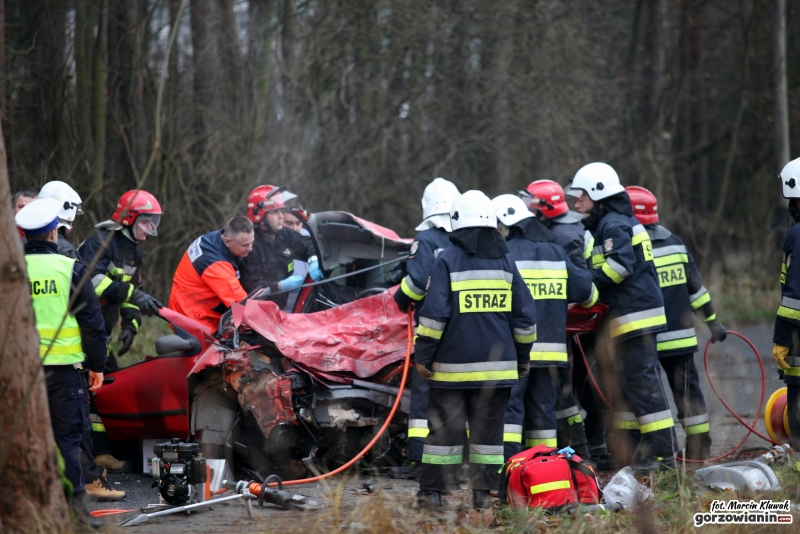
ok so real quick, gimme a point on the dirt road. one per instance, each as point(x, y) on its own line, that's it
point(734, 369)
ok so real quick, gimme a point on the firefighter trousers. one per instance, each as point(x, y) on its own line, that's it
point(642, 428)
point(793, 417)
point(685, 385)
point(530, 418)
point(417, 415)
point(587, 397)
point(569, 422)
point(449, 410)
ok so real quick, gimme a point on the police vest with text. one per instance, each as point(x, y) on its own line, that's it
point(50, 277)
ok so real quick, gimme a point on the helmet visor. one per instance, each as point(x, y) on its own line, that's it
point(149, 223)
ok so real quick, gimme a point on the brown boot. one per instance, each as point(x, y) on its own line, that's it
point(100, 490)
point(112, 464)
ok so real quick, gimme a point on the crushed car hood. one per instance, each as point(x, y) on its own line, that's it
point(361, 337)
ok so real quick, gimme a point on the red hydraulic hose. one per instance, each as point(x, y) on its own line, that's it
point(256, 488)
point(750, 427)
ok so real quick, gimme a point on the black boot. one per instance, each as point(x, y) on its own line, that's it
point(427, 499)
point(410, 469)
point(481, 500)
point(655, 464)
point(698, 446)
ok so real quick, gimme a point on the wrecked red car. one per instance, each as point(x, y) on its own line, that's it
point(282, 393)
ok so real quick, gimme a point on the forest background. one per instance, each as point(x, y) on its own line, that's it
point(356, 105)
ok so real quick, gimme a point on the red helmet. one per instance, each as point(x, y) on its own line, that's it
point(134, 203)
point(262, 199)
point(644, 203)
point(547, 196)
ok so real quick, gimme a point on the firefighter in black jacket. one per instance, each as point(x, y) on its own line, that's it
point(684, 293)
point(553, 282)
point(474, 338)
point(546, 199)
point(117, 278)
point(270, 264)
point(434, 230)
point(626, 277)
point(786, 336)
point(71, 335)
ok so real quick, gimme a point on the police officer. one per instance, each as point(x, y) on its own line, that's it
point(553, 282)
point(433, 238)
point(684, 293)
point(626, 277)
point(476, 327)
point(546, 199)
point(786, 336)
point(117, 279)
point(97, 487)
point(69, 336)
point(270, 265)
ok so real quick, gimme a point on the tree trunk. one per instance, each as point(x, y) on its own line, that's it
point(31, 492)
point(206, 59)
point(83, 75)
point(98, 168)
point(780, 87)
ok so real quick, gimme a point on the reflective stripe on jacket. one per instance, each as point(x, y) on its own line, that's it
point(683, 292)
point(477, 321)
point(623, 271)
point(787, 320)
point(553, 281)
point(50, 279)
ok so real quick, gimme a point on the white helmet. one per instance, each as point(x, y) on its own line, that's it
point(71, 201)
point(599, 180)
point(436, 202)
point(510, 209)
point(472, 209)
point(790, 179)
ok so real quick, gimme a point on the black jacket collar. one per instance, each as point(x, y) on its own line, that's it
point(532, 230)
point(621, 203)
point(41, 247)
point(481, 242)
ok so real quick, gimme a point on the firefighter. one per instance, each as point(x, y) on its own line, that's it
point(786, 336)
point(271, 263)
point(97, 487)
point(624, 273)
point(476, 327)
point(70, 337)
point(206, 281)
point(70, 209)
point(434, 230)
point(117, 279)
point(684, 293)
point(553, 281)
point(546, 199)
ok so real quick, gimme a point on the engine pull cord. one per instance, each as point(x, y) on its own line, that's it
point(750, 427)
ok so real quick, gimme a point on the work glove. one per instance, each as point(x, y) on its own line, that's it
point(126, 338)
point(402, 300)
point(718, 332)
point(424, 371)
point(315, 272)
point(780, 353)
point(523, 368)
point(146, 304)
point(291, 283)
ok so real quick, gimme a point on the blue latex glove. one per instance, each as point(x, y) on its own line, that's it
point(315, 272)
point(291, 283)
